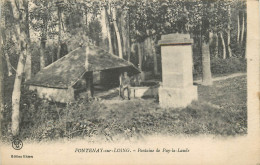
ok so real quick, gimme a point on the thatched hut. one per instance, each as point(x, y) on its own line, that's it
point(60, 80)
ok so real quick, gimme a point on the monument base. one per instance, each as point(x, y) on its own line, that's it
point(177, 97)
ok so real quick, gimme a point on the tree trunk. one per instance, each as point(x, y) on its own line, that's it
point(228, 32)
point(110, 47)
point(43, 40)
point(84, 25)
point(123, 32)
point(28, 63)
point(143, 53)
point(216, 48)
point(9, 65)
point(118, 37)
point(20, 68)
point(210, 42)
point(3, 42)
point(1, 89)
point(155, 65)
point(114, 40)
point(206, 71)
point(243, 29)
point(224, 55)
point(89, 76)
point(84, 22)
point(140, 57)
point(1, 77)
point(128, 38)
point(89, 81)
point(7, 59)
point(238, 29)
point(59, 34)
point(17, 93)
point(28, 66)
point(210, 38)
point(42, 54)
point(228, 44)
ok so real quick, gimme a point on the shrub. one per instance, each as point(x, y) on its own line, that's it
point(230, 65)
point(221, 110)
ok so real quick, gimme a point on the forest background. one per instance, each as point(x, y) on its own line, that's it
point(35, 34)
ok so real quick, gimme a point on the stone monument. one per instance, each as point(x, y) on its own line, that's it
point(177, 88)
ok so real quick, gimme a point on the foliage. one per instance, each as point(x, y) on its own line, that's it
point(42, 119)
point(221, 66)
point(231, 65)
point(42, 17)
point(94, 31)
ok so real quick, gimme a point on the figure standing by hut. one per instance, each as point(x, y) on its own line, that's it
point(125, 86)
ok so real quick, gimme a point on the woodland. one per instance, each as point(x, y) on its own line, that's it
point(36, 33)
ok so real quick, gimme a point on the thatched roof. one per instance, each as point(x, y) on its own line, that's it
point(66, 71)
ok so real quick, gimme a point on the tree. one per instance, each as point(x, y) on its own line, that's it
point(140, 56)
point(21, 17)
point(28, 63)
point(201, 21)
point(124, 32)
point(228, 30)
point(6, 30)
point(42, 20)
point(1, 67)
point(223, 20)
point(238, 28)
point(110, 47)
point(223, 46)
point(128, 40)
point(94, 31)
point(216, 45)
point(1, 87)
point(206, 71)
point(81, 18)
point(243, 28)
point(118, 36)
point(59, 3)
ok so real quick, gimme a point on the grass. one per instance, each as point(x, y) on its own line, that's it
point(220, 110)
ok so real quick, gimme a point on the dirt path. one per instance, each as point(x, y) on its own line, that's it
point(223, 77)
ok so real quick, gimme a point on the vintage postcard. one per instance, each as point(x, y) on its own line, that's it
point(130, 82)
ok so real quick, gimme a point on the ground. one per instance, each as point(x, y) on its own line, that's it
point(220, 110)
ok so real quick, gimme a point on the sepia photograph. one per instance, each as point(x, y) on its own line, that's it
point(82, 73)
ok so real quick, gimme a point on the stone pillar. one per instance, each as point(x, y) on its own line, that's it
point(177, 88)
